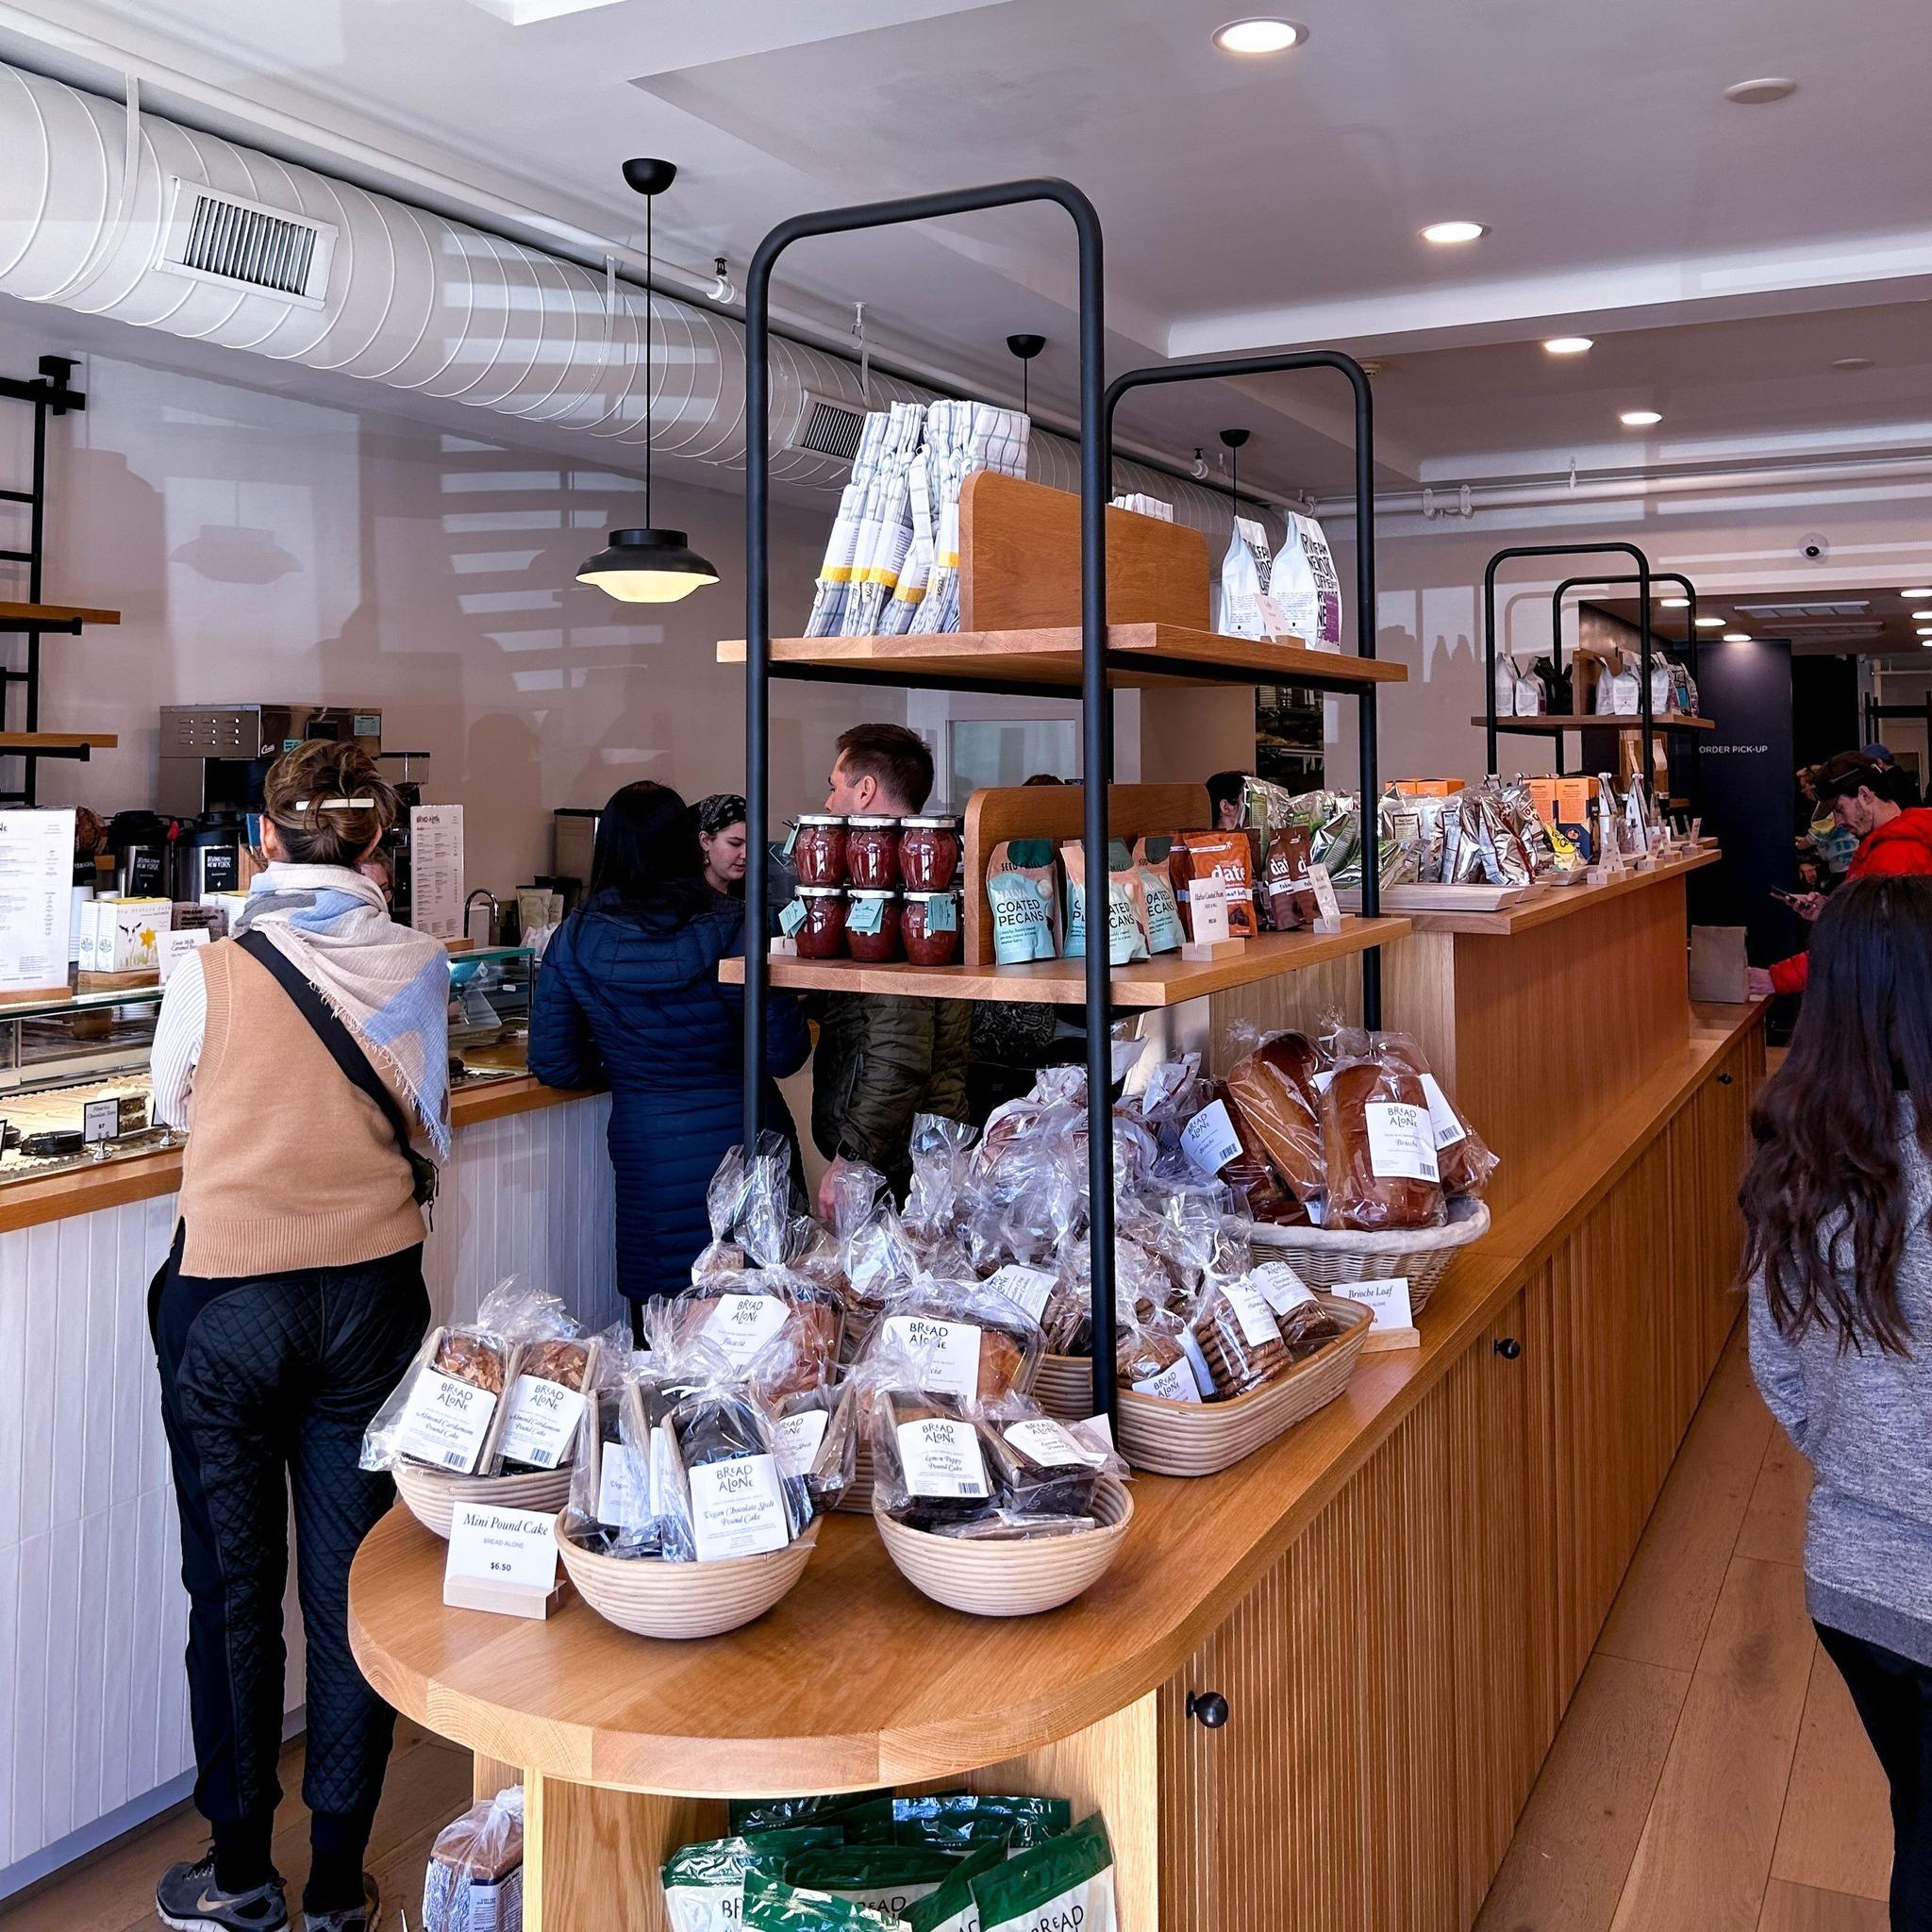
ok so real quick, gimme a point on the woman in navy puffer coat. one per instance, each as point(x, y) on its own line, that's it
point(628, 996)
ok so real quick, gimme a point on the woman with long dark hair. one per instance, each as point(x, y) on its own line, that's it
point(628, 996)
point(1838, 1206)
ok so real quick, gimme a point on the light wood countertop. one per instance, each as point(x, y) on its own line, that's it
point(145, 1176)
point(1559, 902)
point(854, 1680)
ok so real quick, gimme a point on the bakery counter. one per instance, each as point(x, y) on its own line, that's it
point(93, 1731)
point(1394, 1600)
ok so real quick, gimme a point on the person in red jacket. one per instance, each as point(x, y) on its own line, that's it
point(1893, 839)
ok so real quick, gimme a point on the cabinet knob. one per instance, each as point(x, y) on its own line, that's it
point(1723, 1079)
point(1207, 1708)
point(1508, 1347)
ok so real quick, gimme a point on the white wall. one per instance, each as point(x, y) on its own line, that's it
point(263, 547)
point(1429, 579)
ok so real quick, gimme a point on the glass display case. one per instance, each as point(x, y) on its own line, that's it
point(74, 1072)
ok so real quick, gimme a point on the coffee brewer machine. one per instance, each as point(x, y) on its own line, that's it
point(215, 757)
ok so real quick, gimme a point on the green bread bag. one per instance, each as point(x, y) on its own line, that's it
point(968, 1818)
point(704, 1883)
point(952, 1909)
point(772, 1905)
point(886, 1877)
point(1064, 1883)
point(777, 1814)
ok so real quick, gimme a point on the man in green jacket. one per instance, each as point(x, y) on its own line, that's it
point(881, 1058)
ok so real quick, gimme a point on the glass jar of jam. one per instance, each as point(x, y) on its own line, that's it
point(929, 925)
point(930, 853)
point(823, 934)
point(819, 850)
point(872, 924)
point(871, 852)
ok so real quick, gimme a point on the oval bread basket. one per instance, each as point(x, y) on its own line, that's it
point(653, 1598)
point(1333, 1259)
point(1010, 1579)
point(432, 1494)
point(1203, 1438)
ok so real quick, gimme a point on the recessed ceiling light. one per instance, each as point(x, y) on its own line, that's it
point(1850, 364)
point(1711, 622)
point(1737, 637)
point(1569, 345)
point(1914, 595)
point(1260, 35)
point(1639, 419)
point(1922, 617)
point(1676, 602)
point(1445, 233)
point(1758, 93)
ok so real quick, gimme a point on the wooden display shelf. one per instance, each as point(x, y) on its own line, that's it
point(1165, 982)
point(1551, 724)
point(57, 741)
point(1139, 654)
point(23, 616)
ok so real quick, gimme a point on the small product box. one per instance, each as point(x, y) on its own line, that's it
point(1428, 787)
point(226, 907)
point(123, 935)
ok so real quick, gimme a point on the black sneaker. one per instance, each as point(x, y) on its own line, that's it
point(189, 1899)
point(362, 1918)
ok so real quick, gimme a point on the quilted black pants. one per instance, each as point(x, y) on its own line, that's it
point(267, 1385)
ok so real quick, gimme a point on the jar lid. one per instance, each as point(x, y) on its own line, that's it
point(821, 892)
point(940, 822)
point(870, 892)
point(873, 824)
point(820, 818)
point(948, 893)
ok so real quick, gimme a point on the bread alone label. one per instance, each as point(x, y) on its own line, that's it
point(741, 1325)
point(738, 1508)
point(940, 1457)
point(947, 1353)
point(1402, 1143)
point(444, 1422)
point(798, 1438)
point(1174, 1383)
point(542, 1421)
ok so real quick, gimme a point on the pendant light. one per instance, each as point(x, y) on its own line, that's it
point(1025, 348)
point(648, 565)
point(1233, 439)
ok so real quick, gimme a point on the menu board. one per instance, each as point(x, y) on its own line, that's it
point(435, 870)
point(36, 899)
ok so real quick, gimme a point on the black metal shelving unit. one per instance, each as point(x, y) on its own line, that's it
point(1097, 405)
point(1541, 728)
point(49, 393)
point(1228, 367)
point(1691, 640)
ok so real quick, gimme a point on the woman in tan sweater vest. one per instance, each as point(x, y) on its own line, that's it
point(289, 1307)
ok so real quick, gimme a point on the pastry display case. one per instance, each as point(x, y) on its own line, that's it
point(490, 1014)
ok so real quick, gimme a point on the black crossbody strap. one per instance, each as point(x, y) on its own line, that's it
point(344, 1050)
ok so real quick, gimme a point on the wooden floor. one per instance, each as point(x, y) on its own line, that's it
point(429, 1784)
point(1710, 1776)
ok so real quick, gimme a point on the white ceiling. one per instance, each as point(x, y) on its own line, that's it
point(1722, 255)
point(1875, 621)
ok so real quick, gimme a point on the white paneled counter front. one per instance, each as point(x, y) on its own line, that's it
point(94, 1711)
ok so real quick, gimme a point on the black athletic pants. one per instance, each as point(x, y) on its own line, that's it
point(267, 1385)
point(1893, 1696)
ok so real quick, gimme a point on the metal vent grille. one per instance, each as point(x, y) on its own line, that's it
point(828, 429)
point(220, 237)
point(1847, 607)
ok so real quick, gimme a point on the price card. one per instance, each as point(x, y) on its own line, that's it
point(500, 1559)
point(100, 1120)
point(175, 946)
point(1027, 1287)
point(1207, 902)
point(1327, 908)
point(1394, 1324)
point(791, 918)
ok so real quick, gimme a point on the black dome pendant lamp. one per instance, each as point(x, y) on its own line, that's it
point(648, 565)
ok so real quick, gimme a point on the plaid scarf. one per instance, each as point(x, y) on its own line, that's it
point(386, 984)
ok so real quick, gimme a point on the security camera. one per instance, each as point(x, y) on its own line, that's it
point(1813, 547)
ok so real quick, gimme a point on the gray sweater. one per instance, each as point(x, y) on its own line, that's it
point(1863, 1420)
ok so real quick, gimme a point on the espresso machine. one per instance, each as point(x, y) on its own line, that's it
point(215, 757)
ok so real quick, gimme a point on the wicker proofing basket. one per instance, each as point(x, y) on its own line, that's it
point(653, 1598)
point(1010, 1579)
point(1331, 1259)
point(1205, 1438)
point(433, 1494)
